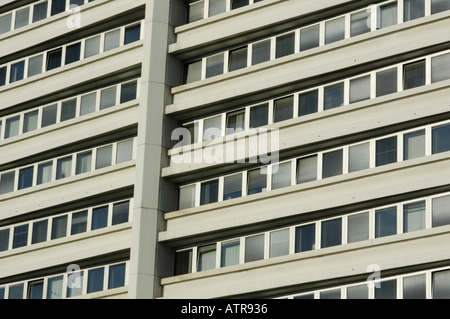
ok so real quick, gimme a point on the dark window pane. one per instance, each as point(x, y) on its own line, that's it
point(12, 127)
point(73, 53)
point(132, 34)
point(196, 11)
point(59, 227)
point(440, 139)
point(44, 173)
point(206, 258)
point(235, 122)
point(413, 216)
point(214, 65)
point(232, 187)
point(439, 6)
point(360, 89)
point(238, 59)
point(36, 290)
point(285, 45)
point(95, 280)
point(334, 30)
point(54, 59)
point(26, 177)
point(30, 121)
point(331, 294)
point(40, 12)
point(2, 293)
point(79, 223)
point(413, 9)
point(64, 168)
point(387, 290)
point(414, 75)
point(193, 72)
point(259, 116)
point(358, 292)
point(334, 96)
point(35, 65)
point(386, 151)
point(358, 157)
point(331, 233)
point(388, 15)
point(279, 243)
point(254, 248)
point(2, 76)
point(99, 218)
point(441, 284)
point(209, 192)
point(88, 102)
point(284, 109)
point(440, 67)
point(216, 7)
point(22, 18)
point(183, 262)
point(5, 23)
point(104, 157)
point(308, 296)
point(281, 176)
point(49, 116)
point(386, 222)
point(358, 227)
point(309, 38)
point(17, 71)
point(4, 239)
point(441, 211)
point(238, 3)
point(308, 103)
point(116, 276)
point(305, 238)
point(58, 6)
point(77, 2)
point(120, 213)
point(84, 162)
point(128, 92)
point(261, 52)
point(108, 98)
point(39, 232)
point(16, 292)
point(332, 164)
point(230, 254)
point(7, 183)
point(414, 145)
point(307, 169)
point(20, 236)
point(257, 181)
point(414, 287)
point(68, 110)
point(359, 23)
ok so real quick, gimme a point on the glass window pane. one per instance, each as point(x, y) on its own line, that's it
point(360, 89)
point(254, 248)
point(359, 23)
point(196, 11)
point(58, 6)
point(108, 98)
point(73, 53)
point(440, 67)
point(212, 128)
point(26, 177)
point(17, 72)
point(104, 157)
point(309, 38)
point(216, 7)
point(414, 287)
point(386, 151)
point(77, 2)
point(230, 254)
point(259, 115)
point(238, 59)
point(358, 292)
point(440, 139)
point(387, 290)
point(36, 290)
point(84, 163)
point(4, 239)
point(44, 173)
point(128, 92)
point(22, 18)
point(386, 82)
point(413, 9)
point(16, 292)
point(334, 30)
point(305, 238)
point(2, 76)
point(209, 192)
point(5, 23)
point(439, 6)
point(30, 121)
point(7, 183)
point(232, 187)
point(413, 75)
point(59, 227)
point(193, 72)
point(332, 164)
point(441, 211)
point(285, 45)
point(206, 258)
point(99, 218)
point(282, 178)
point(12, 127)
point(88, 103)
point(39, 232)
point(54, 59)
point(187, 197)
point(414, 145)
point(79, 223)
point(132, 34)
point(307, 296)
point(68, 110)
point(40, 12)
point(359, 157)
point(64, 168)
point(183, 262)
point(308, 103)
point(386, 222)
point(20, 238)
point(116, 276)
point(76, 287)
point(334, 96)
point(124, 151)
point(120, 213)
point(331, 233)
point(441, 284)
point(358, 227)
point(257, 181)
point(331, 294)
point(92, 47)
point(49, 115)
point(307, 169)
point(112, 40)
point(388, 15)
point(235, 4)
point(95, 280)
point(284, 109)
point(260, 52)
point(214, 65)
point(235, 122)
point(279, 243)
point(2, 293)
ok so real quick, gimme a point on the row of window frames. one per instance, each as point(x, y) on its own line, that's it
point(68, 54)
point(284, 45)
point(34, 13)
point(332, 163)
point(407, 76)
point(46, 172)
point(197, 10)
point(433, 284)
point(56, 227)
point(352, 228)
point(69, 109)
point(98, 279)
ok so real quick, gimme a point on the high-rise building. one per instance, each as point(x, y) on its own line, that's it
point(224, 149)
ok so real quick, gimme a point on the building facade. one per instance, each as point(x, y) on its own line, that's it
point(224, 149)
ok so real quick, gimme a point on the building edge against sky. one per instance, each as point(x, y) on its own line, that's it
point(89, 177)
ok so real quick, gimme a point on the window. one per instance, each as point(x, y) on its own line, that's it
point(388, 15)
point(257, 181)
point(238, 59)
point(308, 103)
point(386, 151)
point(120, 213)
point(116, 276)
point(282, 177)
point(128, 92)
point(5, 23)
point(413, 75)
point(17, 72)
point(112, 40)
point(414, 287)
point(441, 284)
point(358, 292)
point(44, 173)
point(132, 34)
point(235, 4)
point(440, 68)
point(54, 59)
point(360, 89)
point(84, 163)
point(441, 211)
point(260, 52)
point(307, 296)
point(387, 290)
point(22, 17)
point(68, 110)
point(439, 6)
point(212, 128)
point(259, 115)
point(309, 38)
point(124, 151)
point(73, 290)
point(36, 289)
point(2, 76)
point(35, 65)
point(26, 177)
point(305, 238)
point(285, 45)
point(358, 227)
point(73, 53)
point(216, 7)
point(7, 183)
point(230, 253)
point(20, 238)
point(279, 243)
point(4, 239)
point(12, 127)
point(284, 109)
point(307, 169)
point(39, 232)
point(193, 72)
point(79, 223)
point(232, 187)
point(386, 82)
point(88, 103)
point(209, 192)
point(108, 98)
point(187, 197)
point(40, 11)
point(358, 23)
point(183, 262)
point(58, 6)
point(78, 2)
point(104, 157)
point(49, 115)
point(206, 258)
point(64, 168)
point(92, 47)
point(333, 96)
point(413, 9)
point(332, 164)
point(440, 139)
point(2, 293)
point(334, 30)
point(59, 227)
point(359, 157)
point(331, 294)
point(196, 10)
point(254, 248)
point(386, 222)
point(214, 65)
point(16, 292)
point(331, 234)
point(414, 145)
point(99, 218)
point(235, 122)
point(95, 280)
point(30, 121)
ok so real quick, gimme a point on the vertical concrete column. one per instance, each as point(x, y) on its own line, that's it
point(147, 217)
